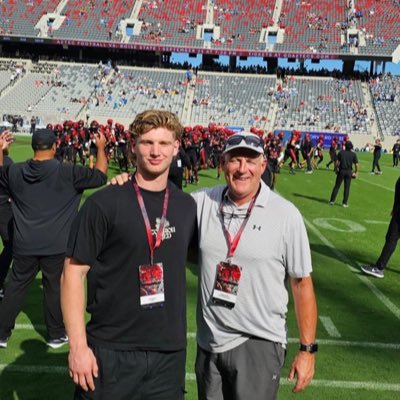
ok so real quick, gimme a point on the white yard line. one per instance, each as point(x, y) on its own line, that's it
point(375, 184)
point(325, 342)
point(330, 326)
point(392, 387)
point(367, 281)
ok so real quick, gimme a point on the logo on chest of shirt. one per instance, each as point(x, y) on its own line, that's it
point(168, 230)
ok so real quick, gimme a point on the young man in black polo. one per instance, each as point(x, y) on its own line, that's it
point(131, 242)
point(45, 196)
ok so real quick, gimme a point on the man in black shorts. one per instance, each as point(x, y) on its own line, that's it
point(131, 242)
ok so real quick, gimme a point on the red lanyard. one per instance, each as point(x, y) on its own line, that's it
point(233, 244)
point(152, 246)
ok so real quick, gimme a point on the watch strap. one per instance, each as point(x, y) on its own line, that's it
point(309, 348)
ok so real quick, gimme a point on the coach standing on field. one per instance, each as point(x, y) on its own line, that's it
point(45, 196)
point(344, 172)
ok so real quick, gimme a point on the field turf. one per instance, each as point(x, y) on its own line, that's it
point(359, 316)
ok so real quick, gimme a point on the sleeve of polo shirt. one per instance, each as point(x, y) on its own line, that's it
point(88, 233)
point(87, 178)
point(297, 247)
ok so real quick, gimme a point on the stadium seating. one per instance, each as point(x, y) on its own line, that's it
point(59, 91)
point(385, 92)
point(380, 21)
point(86, 20)
point(171, 22)
point(133, 90)
point(312, 26)
point(322, 104)
point(241, 23)
point(232, 99)
point(20, 17)
point(49, 91)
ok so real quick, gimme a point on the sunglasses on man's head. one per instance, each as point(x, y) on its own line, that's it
point(253, 141)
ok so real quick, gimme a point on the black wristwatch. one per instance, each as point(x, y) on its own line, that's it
point(309, 348)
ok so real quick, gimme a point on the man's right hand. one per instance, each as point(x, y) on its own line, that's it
point(83, 368)
point(6, 138)
point(100, 141)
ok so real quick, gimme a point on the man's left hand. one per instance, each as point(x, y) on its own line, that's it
point(120, 179)
point(303, 368)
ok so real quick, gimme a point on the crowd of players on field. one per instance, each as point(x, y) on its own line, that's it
point(201, 148)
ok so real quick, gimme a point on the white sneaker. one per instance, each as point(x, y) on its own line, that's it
point(373, 271)
point(57, 343)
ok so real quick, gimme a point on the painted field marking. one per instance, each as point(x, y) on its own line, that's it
point(391, 306)
point(375, 184)
point(392, 387)
point(325, 342)
point(372, 222)
point(339, 225)
point(330, 327)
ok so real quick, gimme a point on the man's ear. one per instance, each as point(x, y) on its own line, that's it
point(133, 146)
point(176, 147)
point(263, 164)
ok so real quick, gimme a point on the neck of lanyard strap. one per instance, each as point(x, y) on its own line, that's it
point(233, 243)
point(152, 245)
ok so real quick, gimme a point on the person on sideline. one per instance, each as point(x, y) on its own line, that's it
point(392, 237)
point(344, 172)
point(130, 242)
point(45, 197)
point(376, 157)
point(252, 242)
point(6, 220)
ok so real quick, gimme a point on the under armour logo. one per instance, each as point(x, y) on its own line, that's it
point(274, 377)
point(256, 227)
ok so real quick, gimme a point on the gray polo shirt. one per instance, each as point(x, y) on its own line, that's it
point(273, 246)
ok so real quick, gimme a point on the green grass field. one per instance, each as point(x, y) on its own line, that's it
point(359, 317)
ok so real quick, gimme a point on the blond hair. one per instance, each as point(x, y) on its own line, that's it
point(153, 119)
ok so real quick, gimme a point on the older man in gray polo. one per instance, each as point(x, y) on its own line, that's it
point(251, 243)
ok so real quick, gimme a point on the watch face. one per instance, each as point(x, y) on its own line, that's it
point(310, 348)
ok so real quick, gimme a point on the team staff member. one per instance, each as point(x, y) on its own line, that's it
point(396, 153)
point(5, 220)
point(179, 163)
point(344, 172)
point(131, 242)
point(45, 196)
point(392, 237)
point(251, 243)
point(376, 157)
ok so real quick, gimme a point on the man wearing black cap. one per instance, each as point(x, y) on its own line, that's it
point(45, 198)
point(344, 170)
